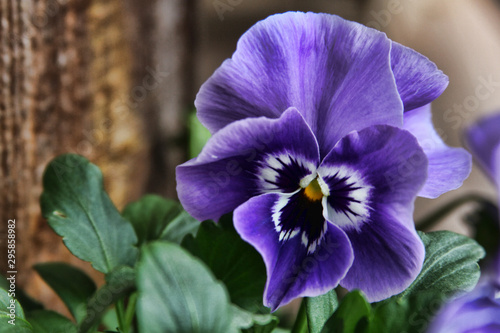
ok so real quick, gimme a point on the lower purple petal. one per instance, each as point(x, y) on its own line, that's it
point(291, 271)
point(448, 166)
point(373, 178)
point(388, 257)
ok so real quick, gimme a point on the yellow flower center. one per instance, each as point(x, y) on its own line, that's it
point(313, 191)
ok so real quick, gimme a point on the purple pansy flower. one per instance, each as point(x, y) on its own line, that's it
point(322, 139)
point(483, 138)
point(479, 310)
point(475, 312)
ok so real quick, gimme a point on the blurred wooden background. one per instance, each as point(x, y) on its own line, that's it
point(115, 80)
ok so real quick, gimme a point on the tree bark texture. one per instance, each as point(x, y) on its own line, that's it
point(86, 77)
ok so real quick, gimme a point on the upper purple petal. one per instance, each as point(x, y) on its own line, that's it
point(448, 166)
point(291, 271)
point(384, 168)
point(483, 138)
point(418, 79)
point(226, 173)
point(337, 73)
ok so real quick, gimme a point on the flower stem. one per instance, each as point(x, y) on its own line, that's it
point(130, 312)
point(120, 316)
point(300, 325)
point(433, 218)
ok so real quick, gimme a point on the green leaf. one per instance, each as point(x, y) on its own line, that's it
point(28, 303)
point(352, 316)
point(44, 321)
point(9, 305)
point(12, 317)
point(18, 325)
point(198, 135)
point(410, 314)
point(154, 217)
point(110, 319)
point(119, 283)
point(319, 309)
point(450, 264)
point(450, 268)
point(71, 284)
point(180, 227)
point(78, 209)
point(177, 293)
point(249, 322)
point(232, 260)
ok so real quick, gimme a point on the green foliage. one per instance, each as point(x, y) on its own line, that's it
point(232, 260)
point(249, 322)
point(450, 267)
point(21, 325)
point(44, 321)
point(28, 303)
point(177, 293)
point(12, 318)
point(119, 283)
point(79, 210)
point(72, 285)
point(110, 320)
point(319, 309)
point(9, 305)
point(154, 217)
point(198, 135)
point(410, 314)
point(352, 315)
point(450, 264)
point(193, 277)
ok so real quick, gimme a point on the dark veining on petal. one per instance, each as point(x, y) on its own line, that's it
point(281, 173)
point(302, 217)
point(348, 202)
point(340, 195)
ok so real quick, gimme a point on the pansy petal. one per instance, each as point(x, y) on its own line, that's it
point(418, 79)
point(291, 271)
point(386, 160)
point(230, 169)
point(483, 138)
point(477, 311)
point(373, 177)
point(337, 73)
point(448, 166)
point(496, 169)
point(388, 257)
